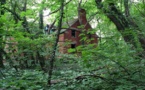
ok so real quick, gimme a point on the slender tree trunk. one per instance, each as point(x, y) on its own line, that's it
point(41, 17)
point(126, 5)
point(41, 61)
point(52, 59)
point(25, 22)
point(13, 7)
point(1, 59)
point(2, 2)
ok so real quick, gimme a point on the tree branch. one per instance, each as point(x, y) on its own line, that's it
point(58, 8)
point(14, 13)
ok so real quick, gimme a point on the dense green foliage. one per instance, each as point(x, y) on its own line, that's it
point(116, 62)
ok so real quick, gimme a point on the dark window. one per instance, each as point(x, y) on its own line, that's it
point(73, 45)
point(73, 33)
point(90, 36)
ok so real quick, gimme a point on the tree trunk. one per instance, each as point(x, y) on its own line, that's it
point(25, 22)
point(2, 2)
point(41, 17)
point(52, 59)
point(127, 13)
point(41, 61)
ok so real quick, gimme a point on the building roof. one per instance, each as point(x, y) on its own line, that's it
point(67, 25)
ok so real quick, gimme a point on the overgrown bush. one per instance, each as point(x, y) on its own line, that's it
point(23, 80)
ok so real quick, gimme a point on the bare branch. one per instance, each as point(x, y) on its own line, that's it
point(84, 76)
point(58, 8)
point(51, 26)
point(14, 13)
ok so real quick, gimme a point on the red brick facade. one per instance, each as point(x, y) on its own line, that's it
point(71, 38)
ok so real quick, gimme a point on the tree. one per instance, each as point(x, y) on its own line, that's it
point(2, 2)
point(124, 23)
point(52, 59)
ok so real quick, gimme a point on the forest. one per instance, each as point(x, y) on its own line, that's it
point(31, 53)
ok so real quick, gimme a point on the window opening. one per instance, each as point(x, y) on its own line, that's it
point(73, 45)
point(73, 33)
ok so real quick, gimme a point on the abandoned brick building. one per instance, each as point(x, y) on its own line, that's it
point(72, 33)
